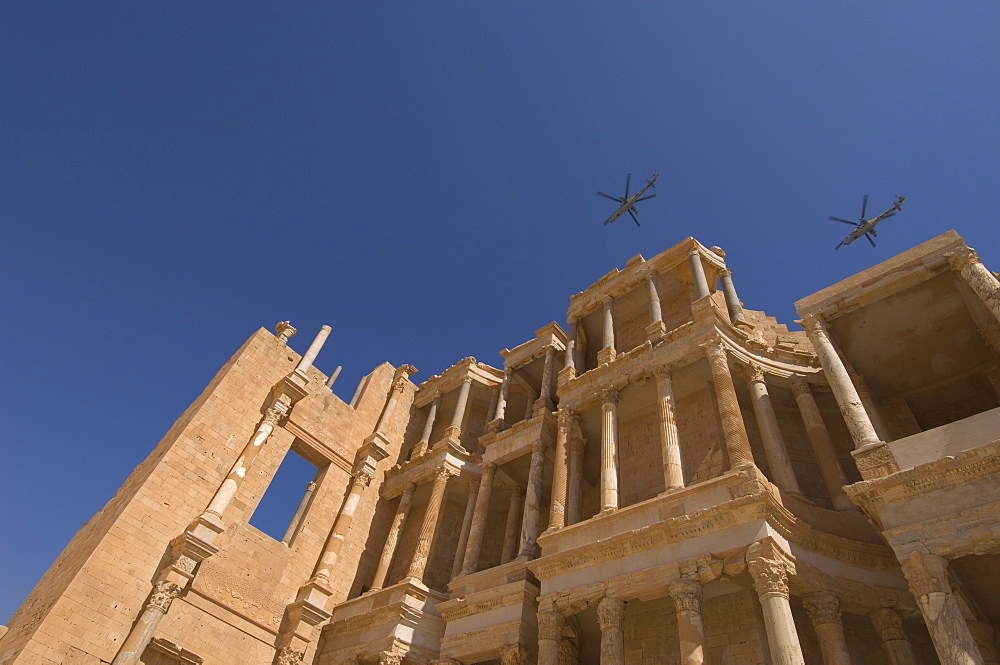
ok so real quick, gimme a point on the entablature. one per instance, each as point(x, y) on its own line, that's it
point(550, 336)
point(421, 470)
point(452, 378)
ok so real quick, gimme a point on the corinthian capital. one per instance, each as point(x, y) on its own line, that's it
point(756, 373)
point(285, 331)
point(768, 569)
point(610, 613)
point(550, 624)
point(926, 573)
point(888, 625)
point(609, 396)
point(686, 595)
point(962, 257)
point(289, 656)
point(822, 607)
point(163, 594)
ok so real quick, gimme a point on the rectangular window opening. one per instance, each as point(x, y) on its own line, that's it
point(286, 500)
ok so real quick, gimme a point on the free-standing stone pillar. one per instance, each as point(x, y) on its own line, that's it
point(398, 522)
point(479, 516)
point(774, 443)
point(574, 479)
point(656, 328)
point(927, 575)
point(560, 470)
point(569, 365)
point(607, 352)
point(425, 437)
point(610, 617)
point(463, 536)
point(733, 304)
point(454, 430)
point(429, 525)
point(313, 351)
point(530, 524)
point(297, 517)
point(966, 262)
point(501, 411)
point(697, 274)
point(733, 429)
point(822, 446)
point(770, 577)
point(135, 643)
point(690, 627)
point(895, 642)
point(513, 525)
point(609, 450)
point(673, 473)
point(550, 626)
point(824, 612)
point(544, 401)
point(340, 527)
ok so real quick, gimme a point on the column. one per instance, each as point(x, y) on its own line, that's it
point(425, 437)
point(673, 473)
point(607, 352)
point(340, 527)
point(733, 429)
point(508, 375)
point(609, 450)
point(824, 612)
point(284, 330)
point(858, 422)
point(822, 446)
point(398, 385)
point(398, 522)
point(138, 638)
point(982, 632)
point(429, 525)
point(610, 617)
point(513, 525)
point(313, 351)
point(454, 430)
point(479, 516)
point(966, 262)
point(697, 274)
point(574, 479)
point(690, 627)
point(733, 304)
point(544, 402)
point(569, 651)
point(463, 536)
point(895, 643)
point(560, 470)
point(570, 362)
point(774, 443)
point(333, 376)
point(656, 327)
point(770, 577)
point(530, 524)
point(550, 627)
point(297, 517)
point(927, 575)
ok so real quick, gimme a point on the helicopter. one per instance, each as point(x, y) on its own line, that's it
point(628, 204)
point(866, 227)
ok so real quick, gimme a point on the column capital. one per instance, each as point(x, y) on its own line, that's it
point(822, 607)
point(926, 574)
point(284, 331)
point(756, 373)
point(550, 624)
point(608, 300)
point(609, 396)
point(513, 654)
point(566, 418)
point(538, 447)
point(694, 251)
point(686, 595)
point(163, 594)
point(725, 272)
point(962, 257)
point(489, 468)
point(289, 656)
point(274, 413)
point(715, 348)
point(443, 473)
point(363, 478)
point(799, 386)
point(888, 625)
point(610, 613)
point(662, 373)
point(467, 379)
point(813, 323)
point(768, 569)
point(409, 489)
point(576, 445)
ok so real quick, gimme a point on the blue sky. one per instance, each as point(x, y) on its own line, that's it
point(421, 177)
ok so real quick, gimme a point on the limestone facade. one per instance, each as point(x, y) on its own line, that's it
point(668, 479)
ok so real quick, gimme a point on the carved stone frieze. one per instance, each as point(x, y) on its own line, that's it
point(875, 461)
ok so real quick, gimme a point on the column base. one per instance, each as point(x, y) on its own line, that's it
point(605, 356)
point(655, 331)
point(542, 405)
point(566, 374)
point(875, 460)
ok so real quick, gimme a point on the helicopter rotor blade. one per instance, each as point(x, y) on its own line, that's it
point(613, 198)
point(838, 219)
point(864, 206)
point(628, 182)
point(634, 218)
point(646, 198)
point(870, 240)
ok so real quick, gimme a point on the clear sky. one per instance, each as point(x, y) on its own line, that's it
point(421, 177)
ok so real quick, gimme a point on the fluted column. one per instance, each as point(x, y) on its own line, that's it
point(822, 446)
point(774, 442)
point(770, 577)
point(733, 304)
point(317, 344)
point(686, 595)
point(560, 470)
point(428, 527)
point(550, 627)
point(512, 530)
point(544, 402)
point(463, 536)
point(733, 429)
point(966, 262)
point(895, 642)
point(574, 479)
point(454, 430)
point(479, 517)
point(609, 450)
point(927, 575)
point(607, 352)
point(341, 527)
point(398, 522)
point(673, 473)
point(823, 609)
point(698, 274)
point(138, 638)
point(425, 437)
point(610, 617)
point(531, 523)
